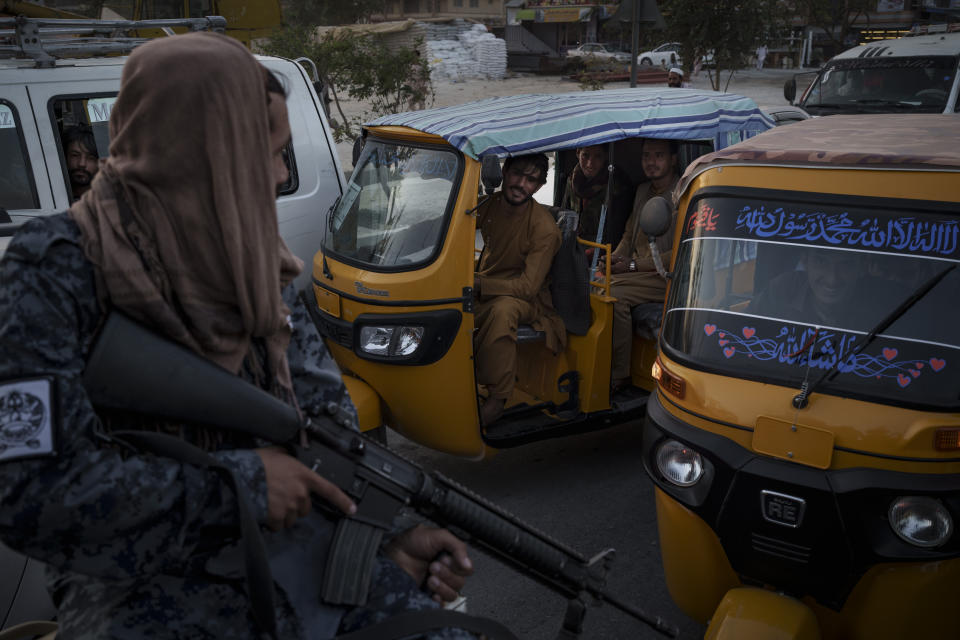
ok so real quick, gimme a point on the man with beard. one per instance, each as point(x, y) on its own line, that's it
point(586, 194)
point(520, 238)
point(675, 78)
point(82, 159)
point(634, 277)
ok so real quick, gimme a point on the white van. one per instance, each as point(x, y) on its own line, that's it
point(38, 103)
point(913, 74)
point(39, 100)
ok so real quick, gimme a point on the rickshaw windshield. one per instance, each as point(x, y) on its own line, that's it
point(783, 291)
point(394, 210)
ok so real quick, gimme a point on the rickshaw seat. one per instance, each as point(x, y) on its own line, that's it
point(646, 319)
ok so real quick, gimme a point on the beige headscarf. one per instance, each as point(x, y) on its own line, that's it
point(195, 251)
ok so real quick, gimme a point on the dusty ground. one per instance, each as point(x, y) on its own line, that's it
point(764, 86)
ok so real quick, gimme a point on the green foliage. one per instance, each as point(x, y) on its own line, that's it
point(362, 67)
point(330, 12)
point(592, 72)
point(730, 29)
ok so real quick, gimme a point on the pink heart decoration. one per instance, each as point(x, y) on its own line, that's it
point(709, 329)
point(889, 353)
point(729, 351)
point(918, 365)
point(721, 334)
point(722, 342)
point(937, 363)
point(902, 380)
point(914, 373)
point(748, 332)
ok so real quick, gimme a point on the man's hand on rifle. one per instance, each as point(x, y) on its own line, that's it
point(433, 557)
point(290, 485)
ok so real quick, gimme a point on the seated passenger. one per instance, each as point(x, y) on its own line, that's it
point(511, 285)
point(83, 163)
point(586, 192)
point(634, 278)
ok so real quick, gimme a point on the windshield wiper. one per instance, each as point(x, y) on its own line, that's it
point(801, 399)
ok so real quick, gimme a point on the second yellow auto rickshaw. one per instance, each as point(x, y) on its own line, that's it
point(394, 280)
point(805, 435)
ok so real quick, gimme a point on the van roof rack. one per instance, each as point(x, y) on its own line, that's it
point(47, 39)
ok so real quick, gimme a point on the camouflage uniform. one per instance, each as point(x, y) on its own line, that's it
point(138, 545)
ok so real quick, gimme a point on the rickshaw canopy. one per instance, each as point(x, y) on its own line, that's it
point(533, 123)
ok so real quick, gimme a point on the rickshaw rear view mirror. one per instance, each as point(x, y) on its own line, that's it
point(490, 173)
point(655, 217)
point(790, 89)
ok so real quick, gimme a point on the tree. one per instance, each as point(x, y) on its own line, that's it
point(835, 17)
point(361, 66)
point(330, 12)
point(730, 30)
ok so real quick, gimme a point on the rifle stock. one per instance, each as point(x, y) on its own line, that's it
point(167, 379)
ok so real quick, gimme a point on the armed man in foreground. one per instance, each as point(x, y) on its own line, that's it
point(142, 519)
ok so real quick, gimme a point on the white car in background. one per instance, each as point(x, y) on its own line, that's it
point(666, 55)
point(599, 51)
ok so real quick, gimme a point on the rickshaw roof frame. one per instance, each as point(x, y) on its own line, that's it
point(533, 123)
point(918, 142)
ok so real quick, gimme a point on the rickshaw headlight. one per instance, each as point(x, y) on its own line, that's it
point(390, 341)
point(921, 521)
point(679, 464)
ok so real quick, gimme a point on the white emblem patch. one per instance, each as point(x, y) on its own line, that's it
point(26, 419)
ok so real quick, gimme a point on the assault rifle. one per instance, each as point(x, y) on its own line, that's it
point(166, 379)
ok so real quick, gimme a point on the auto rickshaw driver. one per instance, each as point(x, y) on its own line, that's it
point(511, 284)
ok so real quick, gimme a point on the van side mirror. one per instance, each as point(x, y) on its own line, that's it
point(655, 217)
point(790, 89)
point(491, 175)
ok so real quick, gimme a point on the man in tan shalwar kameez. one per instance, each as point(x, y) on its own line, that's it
point(634, 277)
point(512, 286)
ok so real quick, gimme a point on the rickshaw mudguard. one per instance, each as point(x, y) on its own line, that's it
point(694, 563)
point(367, 402)
point(750, 613)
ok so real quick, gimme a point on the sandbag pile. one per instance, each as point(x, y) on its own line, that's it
point(475, 53)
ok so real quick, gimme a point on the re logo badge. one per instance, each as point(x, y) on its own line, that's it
point(779, 508)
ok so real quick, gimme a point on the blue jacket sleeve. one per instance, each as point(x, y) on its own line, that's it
point(91, 508)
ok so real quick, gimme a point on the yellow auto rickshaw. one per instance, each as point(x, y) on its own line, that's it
point(804, 437)
point(393, 281)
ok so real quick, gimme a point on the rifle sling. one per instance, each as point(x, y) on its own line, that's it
point(412, 624)
point(258, 577)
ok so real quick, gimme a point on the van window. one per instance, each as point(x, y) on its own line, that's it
point(782, 291)
point(87, 118)
point(917, 84)
point(393, 213)
point(17, 189)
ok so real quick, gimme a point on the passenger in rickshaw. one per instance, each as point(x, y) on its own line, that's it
point(586, 193)
point(512, 288)
point(634, 278)
point(83, 163)
point(829, 287)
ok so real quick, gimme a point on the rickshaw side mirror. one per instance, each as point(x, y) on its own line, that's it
point(790, 89)
point(655, 217)
point(357, 149)
point(491, 175)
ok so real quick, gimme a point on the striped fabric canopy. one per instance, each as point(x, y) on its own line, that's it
point(515, 125)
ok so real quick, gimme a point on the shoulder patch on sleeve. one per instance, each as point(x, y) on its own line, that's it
point(26, 418)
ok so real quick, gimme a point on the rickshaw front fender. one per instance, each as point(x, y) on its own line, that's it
point(747, 613)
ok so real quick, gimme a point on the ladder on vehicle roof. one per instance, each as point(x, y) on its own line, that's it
point(47, 39)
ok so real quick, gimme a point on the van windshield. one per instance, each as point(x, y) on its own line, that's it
point(394, 211)
point(782, 291)
point(918, 84)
